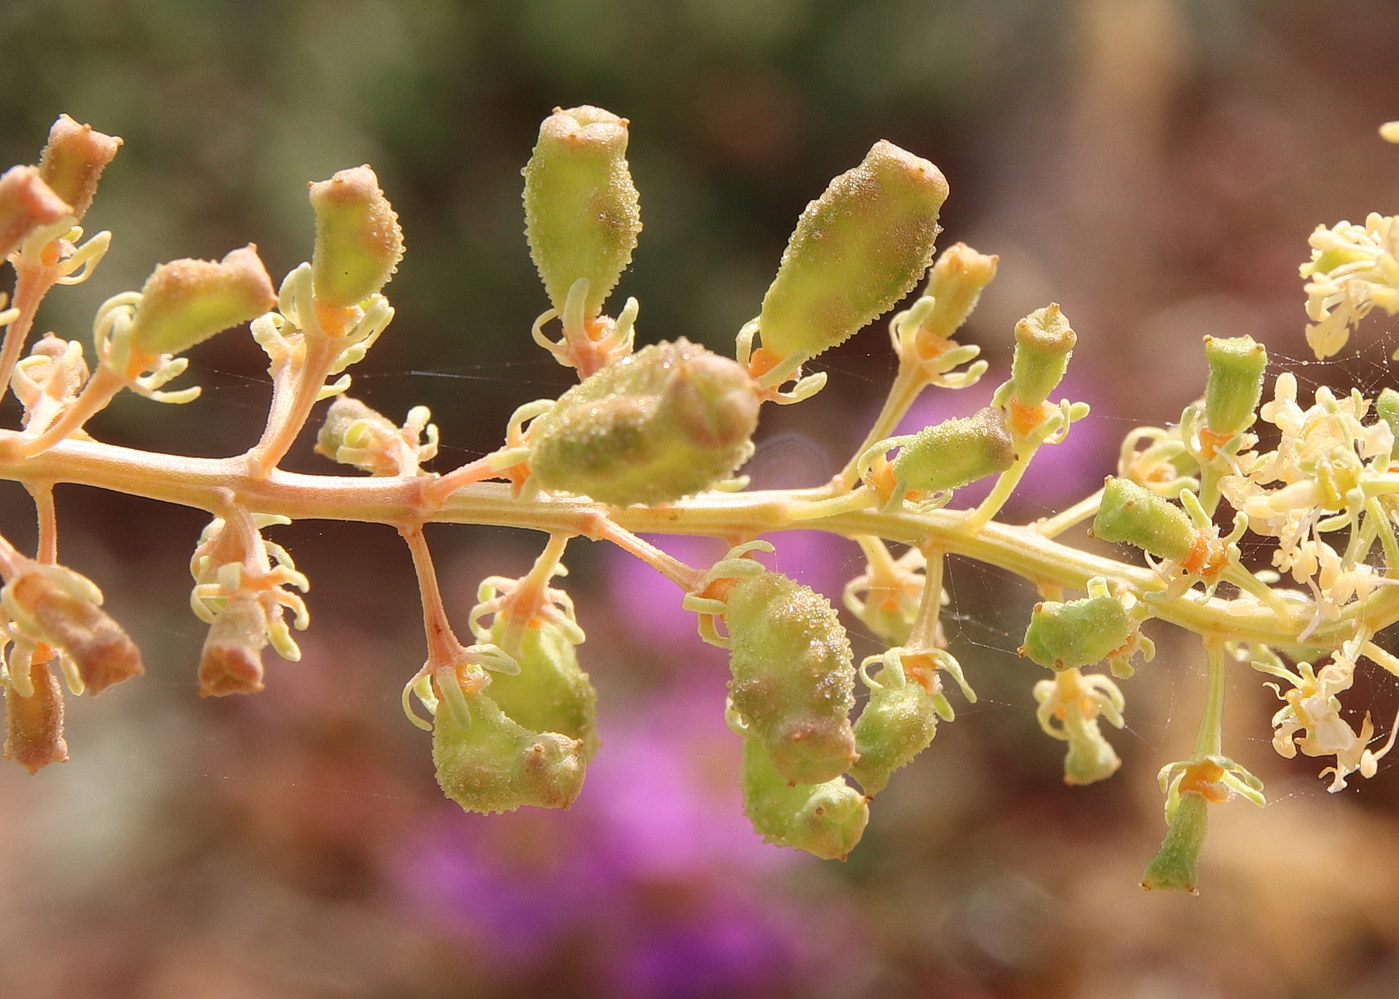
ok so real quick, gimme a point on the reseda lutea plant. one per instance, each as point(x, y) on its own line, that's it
point(651, 440)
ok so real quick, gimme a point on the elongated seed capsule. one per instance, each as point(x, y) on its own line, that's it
point(1173, 867)
point(1044, 342)
point(582, 215)
point(1077, 633)
point(856, 251)
point(670, 420)
point(955, 452)
point(792, 676)
point(1130, 513)
point(551, 692)
point(895, 725)
point(358, 239)
point(73, 160)
point(34, 724)
point(826, 819)
point(186, 301)
point(1234, 384)
point(491, 763)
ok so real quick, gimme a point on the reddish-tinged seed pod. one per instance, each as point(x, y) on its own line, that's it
point(26, 204)
point(856, 251)
point(73, 161)
point(34, 724)
point(187, 301)
point(792, 676)
point(668, 421)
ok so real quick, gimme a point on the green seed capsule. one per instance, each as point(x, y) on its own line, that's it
point(1132, 514)
point(897, 724)
point(551, 693)
point(187, 301)
point(1077, 633)
point(792, 676)
point(358, 239)
point(1235, 382)
point(494, 764)
point(1044, 341)
point(855, 252)
point(826, 820)
point(582, 216)
point(956, 452)
point(668, 421)
point(1173, 868)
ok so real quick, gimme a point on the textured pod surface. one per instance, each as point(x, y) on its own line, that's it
point(1130, 513)
point(582, 215)
point(187, 301)
point(495, 764)
point(895, 725)
point(1235, 382)
point(855, 252)
point(826, 819)
point(668, 421)
point(551, 693)
point(358, 239)
point(792, 676)
point(956, 452)
point(1077, 633)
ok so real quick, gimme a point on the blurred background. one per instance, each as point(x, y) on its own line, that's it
point(1154, 166)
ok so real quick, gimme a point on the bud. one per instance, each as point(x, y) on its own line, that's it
point(1043, 344)
point(73, 161)
point(955, 283)
point(354, 434)
point(582, 216)
point(358, 239)
point(26, 204)
point(898, 722)
point(792, 676)
point(1235, 383)
point(34, 724)
point(1173, 867)
point(1387, 409)
point(187, 301)
point(955, 452)
point(855, 252)
point(1077, 633)
point(1130, 513)
point(826, 820)
point(59, 608)
point(489, 763)
point(665, 422)
point(551, 692)
point(231, 661)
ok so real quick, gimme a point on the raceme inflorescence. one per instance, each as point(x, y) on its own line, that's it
point(653, 440)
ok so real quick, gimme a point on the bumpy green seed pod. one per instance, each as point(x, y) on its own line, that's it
point(1173, 868)
point(826, 820)
point(855, 252)
point(358, 239)
point(792, 676)
point(956, 452)
point(1387, 409)
point(187, 301)
point(551, 693)
point(898, 722)
point(1077, 633)
point(1132, 514)
point(668, 421)
point(1234, 384)
point(1044, 341)
point(582, 216)
point(494, 764)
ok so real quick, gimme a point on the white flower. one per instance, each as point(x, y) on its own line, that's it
point(1353, 269)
